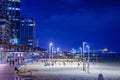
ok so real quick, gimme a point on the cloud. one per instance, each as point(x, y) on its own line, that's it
point(46, 8)
point(94, 2)
point(85, 19)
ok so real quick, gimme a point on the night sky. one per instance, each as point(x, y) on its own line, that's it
point(67, 23)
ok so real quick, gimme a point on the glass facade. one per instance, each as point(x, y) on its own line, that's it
point(10, 10)
point(28, 31)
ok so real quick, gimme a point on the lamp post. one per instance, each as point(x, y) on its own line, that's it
point(50, 50)
point(58, 49)
point(73, 50)
point(81, 52)
point(88, 57)
point(88, 52)
point(84, 66)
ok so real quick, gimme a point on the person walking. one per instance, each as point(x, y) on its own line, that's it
point(18, 61)
point(78, 64)
point(10, 63)
point(7, 61)
point(13, 63)
point(23, 61)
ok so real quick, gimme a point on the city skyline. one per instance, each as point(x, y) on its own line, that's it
point(15, 29)
point(59, 39)
point(68, 23)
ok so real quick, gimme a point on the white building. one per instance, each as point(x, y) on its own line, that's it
point(5, 32)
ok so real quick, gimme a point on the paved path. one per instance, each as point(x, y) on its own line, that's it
point(6, 73)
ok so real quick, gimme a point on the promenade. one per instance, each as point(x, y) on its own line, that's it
point(6, 72)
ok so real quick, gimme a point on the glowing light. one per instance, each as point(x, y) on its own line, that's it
point(105, 49)
point(88, 46)
point(58, 49)
point(73, 50)
point(14, 41)
point(51, 44)
point(13, 8)
point(15, 0)
point(1, 48)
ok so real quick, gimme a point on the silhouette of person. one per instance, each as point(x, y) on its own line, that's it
point(10, 63)
point(13, 63)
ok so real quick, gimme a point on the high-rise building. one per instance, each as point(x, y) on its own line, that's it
point(5, 31)
point(10, 10)
point(28, 31)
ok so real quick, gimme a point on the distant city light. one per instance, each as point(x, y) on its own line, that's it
point(58, 49)
point(73, 50)
point(105, 49)
point(51, 44)
point(88, 46)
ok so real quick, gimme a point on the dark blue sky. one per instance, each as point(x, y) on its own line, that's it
point(68, 23)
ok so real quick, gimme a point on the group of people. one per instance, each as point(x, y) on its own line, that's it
point(55, 62)
point(17, 61)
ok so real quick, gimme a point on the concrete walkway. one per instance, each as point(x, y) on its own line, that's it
point(6, 73)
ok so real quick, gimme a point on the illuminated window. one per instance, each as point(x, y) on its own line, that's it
point(15, 0)
point(13, 8)
point(31, 25)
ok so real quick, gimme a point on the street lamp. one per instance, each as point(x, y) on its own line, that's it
point(58, 49)
point(88, 57)
point(50, 49)
point(73, 51)
point(84, 56)
point(81, 52)
point(88, 52)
